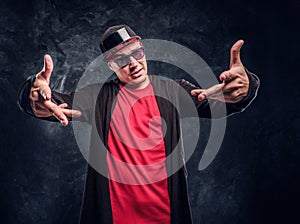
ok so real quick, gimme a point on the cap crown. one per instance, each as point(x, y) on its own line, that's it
point(116, 35)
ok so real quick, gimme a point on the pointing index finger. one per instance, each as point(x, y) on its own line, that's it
point(56, 112)
point(214, 90)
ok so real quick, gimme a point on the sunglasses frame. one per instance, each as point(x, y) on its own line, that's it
point(126, 58)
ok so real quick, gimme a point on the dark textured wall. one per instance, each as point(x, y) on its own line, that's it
point(255, 176)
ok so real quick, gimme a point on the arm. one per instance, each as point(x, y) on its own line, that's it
point(36, 98)
point(236, 91)
point(205, 106)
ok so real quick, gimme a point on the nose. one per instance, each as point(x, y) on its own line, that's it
point(133, 62)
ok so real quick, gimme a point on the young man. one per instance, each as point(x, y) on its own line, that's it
point(127, 118)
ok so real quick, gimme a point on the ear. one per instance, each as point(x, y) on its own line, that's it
point(110, 66)
point(141, 44)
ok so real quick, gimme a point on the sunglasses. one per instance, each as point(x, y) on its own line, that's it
point(124, 60)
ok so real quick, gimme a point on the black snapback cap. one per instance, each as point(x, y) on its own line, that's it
point(116, 35)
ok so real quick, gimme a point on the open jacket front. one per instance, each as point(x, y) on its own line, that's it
point(96, 102)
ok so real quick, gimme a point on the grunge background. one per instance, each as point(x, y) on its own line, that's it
point(256, 174)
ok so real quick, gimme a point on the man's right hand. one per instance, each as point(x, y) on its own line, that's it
point(40, 96)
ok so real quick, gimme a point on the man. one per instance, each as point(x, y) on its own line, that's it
point(127, 116)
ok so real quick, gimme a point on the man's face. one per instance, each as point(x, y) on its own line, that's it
point(130, 65)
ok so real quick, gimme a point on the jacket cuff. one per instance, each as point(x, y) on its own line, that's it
point(24, 95)
point(254, 84)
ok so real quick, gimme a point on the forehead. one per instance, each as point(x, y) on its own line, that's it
point(128, 48)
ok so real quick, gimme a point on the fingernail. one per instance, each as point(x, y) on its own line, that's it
point(43, 95)
point(63, 123)
point(77, 113)
point(202, 97)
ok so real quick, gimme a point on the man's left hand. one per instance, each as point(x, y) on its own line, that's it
point(235, 81)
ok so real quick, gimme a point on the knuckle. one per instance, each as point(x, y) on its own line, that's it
point(52, 107)
point(236, 94)
point(34, 96)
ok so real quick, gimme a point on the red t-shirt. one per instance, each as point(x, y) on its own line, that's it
point(136, 162)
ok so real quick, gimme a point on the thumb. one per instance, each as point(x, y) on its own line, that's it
point(235, 57)
point(48, 68)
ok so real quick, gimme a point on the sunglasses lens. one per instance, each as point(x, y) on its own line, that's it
point(138, 54)
point(125, 60)
point(122, 61)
